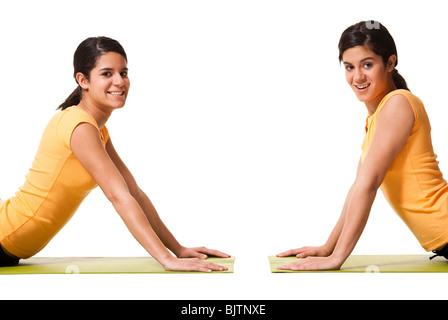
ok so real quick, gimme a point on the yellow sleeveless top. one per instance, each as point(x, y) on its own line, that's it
point(414, 185)
point(54, 188)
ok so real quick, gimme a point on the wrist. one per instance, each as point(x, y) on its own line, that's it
point(165, 259)
point(338, 259)
point(177, 250)
point(327, 249)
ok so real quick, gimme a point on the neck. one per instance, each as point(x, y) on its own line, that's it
point(372, 105)
point(101, 116)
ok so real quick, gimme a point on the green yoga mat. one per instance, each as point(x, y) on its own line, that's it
point(375, 263)
point(100, 265)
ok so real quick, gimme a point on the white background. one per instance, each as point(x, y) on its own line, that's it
point(239, 126)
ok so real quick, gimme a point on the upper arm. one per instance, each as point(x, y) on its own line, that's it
point(393, 128)
point(89, 150)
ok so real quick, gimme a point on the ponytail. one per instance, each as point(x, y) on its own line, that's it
point(72, 100)
point(399, 81)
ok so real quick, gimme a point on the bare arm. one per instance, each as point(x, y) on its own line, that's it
point(153, 217)
point(326, 249)
point(334, 236)
point(394, 126)
point(88, 148)
point(150, 212)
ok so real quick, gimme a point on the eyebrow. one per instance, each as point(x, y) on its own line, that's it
point(110, 69)
point(367, 58)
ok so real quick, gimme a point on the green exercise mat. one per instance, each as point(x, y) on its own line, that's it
point(100, 265)
point(375, 263)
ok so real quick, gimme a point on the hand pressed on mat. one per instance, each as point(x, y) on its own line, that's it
point(313, 264)
point(200, 252)
point(191, 259)
point(315, 258)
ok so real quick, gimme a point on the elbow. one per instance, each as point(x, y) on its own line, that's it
point(121, 192)
point(370, 179)
point(118, 197)
point(369, 185)
point(136, 192)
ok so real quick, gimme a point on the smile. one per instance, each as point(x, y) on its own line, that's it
point(116, 93)
point(362, 87)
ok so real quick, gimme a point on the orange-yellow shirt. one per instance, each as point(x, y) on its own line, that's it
point(54, 188)
point(414, 185)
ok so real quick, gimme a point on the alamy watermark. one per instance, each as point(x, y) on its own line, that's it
point(372, 269)
point(73, 269)
point(372, 24)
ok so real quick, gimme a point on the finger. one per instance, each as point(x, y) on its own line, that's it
point(306, 253)
point(295, 266)
point(208, 267)
point(217, 253)
point(213, 252)
point(284, 267)
point(288, 253)
point(216, 267)
point(200, 255)
point(196, 264)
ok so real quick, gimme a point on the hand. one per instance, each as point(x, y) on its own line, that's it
point(304, 252)
point(313, 263)
point(199, 252)
point(191, 264)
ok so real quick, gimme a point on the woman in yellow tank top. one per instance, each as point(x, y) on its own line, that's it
point(397, 154)
point(74, 156)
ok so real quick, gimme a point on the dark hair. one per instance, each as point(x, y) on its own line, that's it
point(84, 61)
point(378, 39)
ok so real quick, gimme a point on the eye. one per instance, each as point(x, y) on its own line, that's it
point(124, 74)
point(348, 67)
point(368, 65)
point(106, 74)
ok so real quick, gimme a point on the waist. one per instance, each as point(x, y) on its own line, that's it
point(6, 258)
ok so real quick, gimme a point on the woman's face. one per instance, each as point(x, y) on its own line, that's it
point(109, 84)
point(366, 73)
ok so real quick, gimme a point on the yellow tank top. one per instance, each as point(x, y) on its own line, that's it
point(414, 185)
point(54, 188)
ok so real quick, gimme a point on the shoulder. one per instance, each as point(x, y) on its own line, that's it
point(399, 104)
point(399, 96)
point(398, 108)
point(76, 115)
point(403, 98)
point(69, 119)
point(397, 118)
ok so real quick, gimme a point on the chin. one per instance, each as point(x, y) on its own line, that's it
point(117, 105)
point(361, 98)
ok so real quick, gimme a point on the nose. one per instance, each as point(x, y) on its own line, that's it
point(118, 80)
point(359, 76)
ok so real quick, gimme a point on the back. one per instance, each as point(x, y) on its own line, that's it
point(55, 186)
point(414, 185)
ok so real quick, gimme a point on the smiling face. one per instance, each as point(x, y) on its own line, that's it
point(367, 74)
point(108, 83)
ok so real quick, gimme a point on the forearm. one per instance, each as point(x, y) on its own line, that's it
point(334, 236)
point(357, 214)
point(137, 223)
point(157, 224)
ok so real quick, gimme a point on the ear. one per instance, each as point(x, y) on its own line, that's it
point(391, 63)
point(82, 80)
